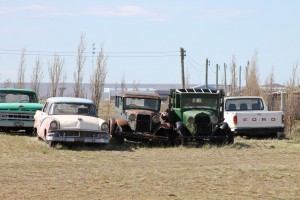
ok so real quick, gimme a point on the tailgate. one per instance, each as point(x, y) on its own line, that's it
point(259, 119)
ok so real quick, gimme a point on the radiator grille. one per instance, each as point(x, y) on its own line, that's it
point(16, 116)
point(143, 123)
point(80, 134)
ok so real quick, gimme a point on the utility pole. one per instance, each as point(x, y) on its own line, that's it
point(240, 81)
point(206, 73)
point(217, 82)
point(182, 54)
point(94, 48)
point(225, 88)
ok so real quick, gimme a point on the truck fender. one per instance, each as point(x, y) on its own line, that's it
point(123, 124)
point(224, 126)
point(112, 125)
point(179, 126)
point(165, 126)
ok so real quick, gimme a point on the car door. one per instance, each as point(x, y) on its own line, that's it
point(39, 118)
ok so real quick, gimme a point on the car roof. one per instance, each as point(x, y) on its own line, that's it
point(139, 94)
point(244, 97)
point(16, 90)
point(69, 100)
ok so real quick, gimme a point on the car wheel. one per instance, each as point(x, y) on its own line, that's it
point(51, 144)
point(181, 137)
point(230, 137)
point(29, 131)
point(117, 135)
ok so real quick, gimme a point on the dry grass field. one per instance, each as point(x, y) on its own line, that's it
point(248, 169)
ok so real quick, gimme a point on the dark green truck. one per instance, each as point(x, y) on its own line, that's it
point(17, 108)
point(196, 115)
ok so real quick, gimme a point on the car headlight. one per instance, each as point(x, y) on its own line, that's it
point(214, 120)
point(132, 117)
point(53, 125)
point(191, 120)
point(104, 126)
point(156, 118)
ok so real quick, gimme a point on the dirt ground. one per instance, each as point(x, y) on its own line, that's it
point(248, 169)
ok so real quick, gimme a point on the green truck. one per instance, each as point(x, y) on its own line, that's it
point(196, 115)
point(17, 109)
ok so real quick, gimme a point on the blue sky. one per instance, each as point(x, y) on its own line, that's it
point(142, 39)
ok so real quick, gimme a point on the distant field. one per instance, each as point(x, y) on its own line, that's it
point(249, 169)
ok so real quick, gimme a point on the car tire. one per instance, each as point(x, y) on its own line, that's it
point(230, 137)
point(181, 137)
point(51, 144)
point(117, 135)
point(29, 131)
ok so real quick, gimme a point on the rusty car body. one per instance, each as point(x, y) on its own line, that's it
point(70, 120)
point(137, 118)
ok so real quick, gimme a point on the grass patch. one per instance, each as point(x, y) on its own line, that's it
point(248, 169)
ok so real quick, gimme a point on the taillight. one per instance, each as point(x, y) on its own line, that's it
point(282, 119)
point(235, 120)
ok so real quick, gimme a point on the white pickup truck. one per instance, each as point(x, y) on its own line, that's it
point(249, 116)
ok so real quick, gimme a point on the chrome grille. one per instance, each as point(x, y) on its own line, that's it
point(81, 134)
point(16, 116)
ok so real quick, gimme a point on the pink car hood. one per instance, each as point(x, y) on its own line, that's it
point(79, 122)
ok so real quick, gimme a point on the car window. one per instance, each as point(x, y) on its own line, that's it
point(13, 97)
point(244, 104)
point(200, 102)
point(142, 103)
point(73, 109)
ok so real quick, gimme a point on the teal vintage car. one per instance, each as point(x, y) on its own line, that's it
point(17, 108)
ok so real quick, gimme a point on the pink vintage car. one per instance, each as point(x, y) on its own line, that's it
point(70, 120)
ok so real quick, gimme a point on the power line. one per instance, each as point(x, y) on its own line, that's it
point(66, 55)
point(74, 54)
point(193, 65)
point(201, 65)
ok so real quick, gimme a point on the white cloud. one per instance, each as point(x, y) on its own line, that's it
point(30, 8)
point(125, 11)
point(121, 11)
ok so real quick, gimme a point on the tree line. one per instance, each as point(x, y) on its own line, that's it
point(58, 78)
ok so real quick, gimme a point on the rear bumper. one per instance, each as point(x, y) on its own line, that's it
point(257, 131)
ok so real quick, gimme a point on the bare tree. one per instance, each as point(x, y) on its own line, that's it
point(37, 75)
point(123, 83)
point(187, 78)
point(97, 79)
point(135, 85)
point(292, 108)
point(233, 77)
point(252, 78)
point(21, 71)
point(62, 86)
point(78, 74)
point(55, 70)
point(269, 89)
point(7, 83)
